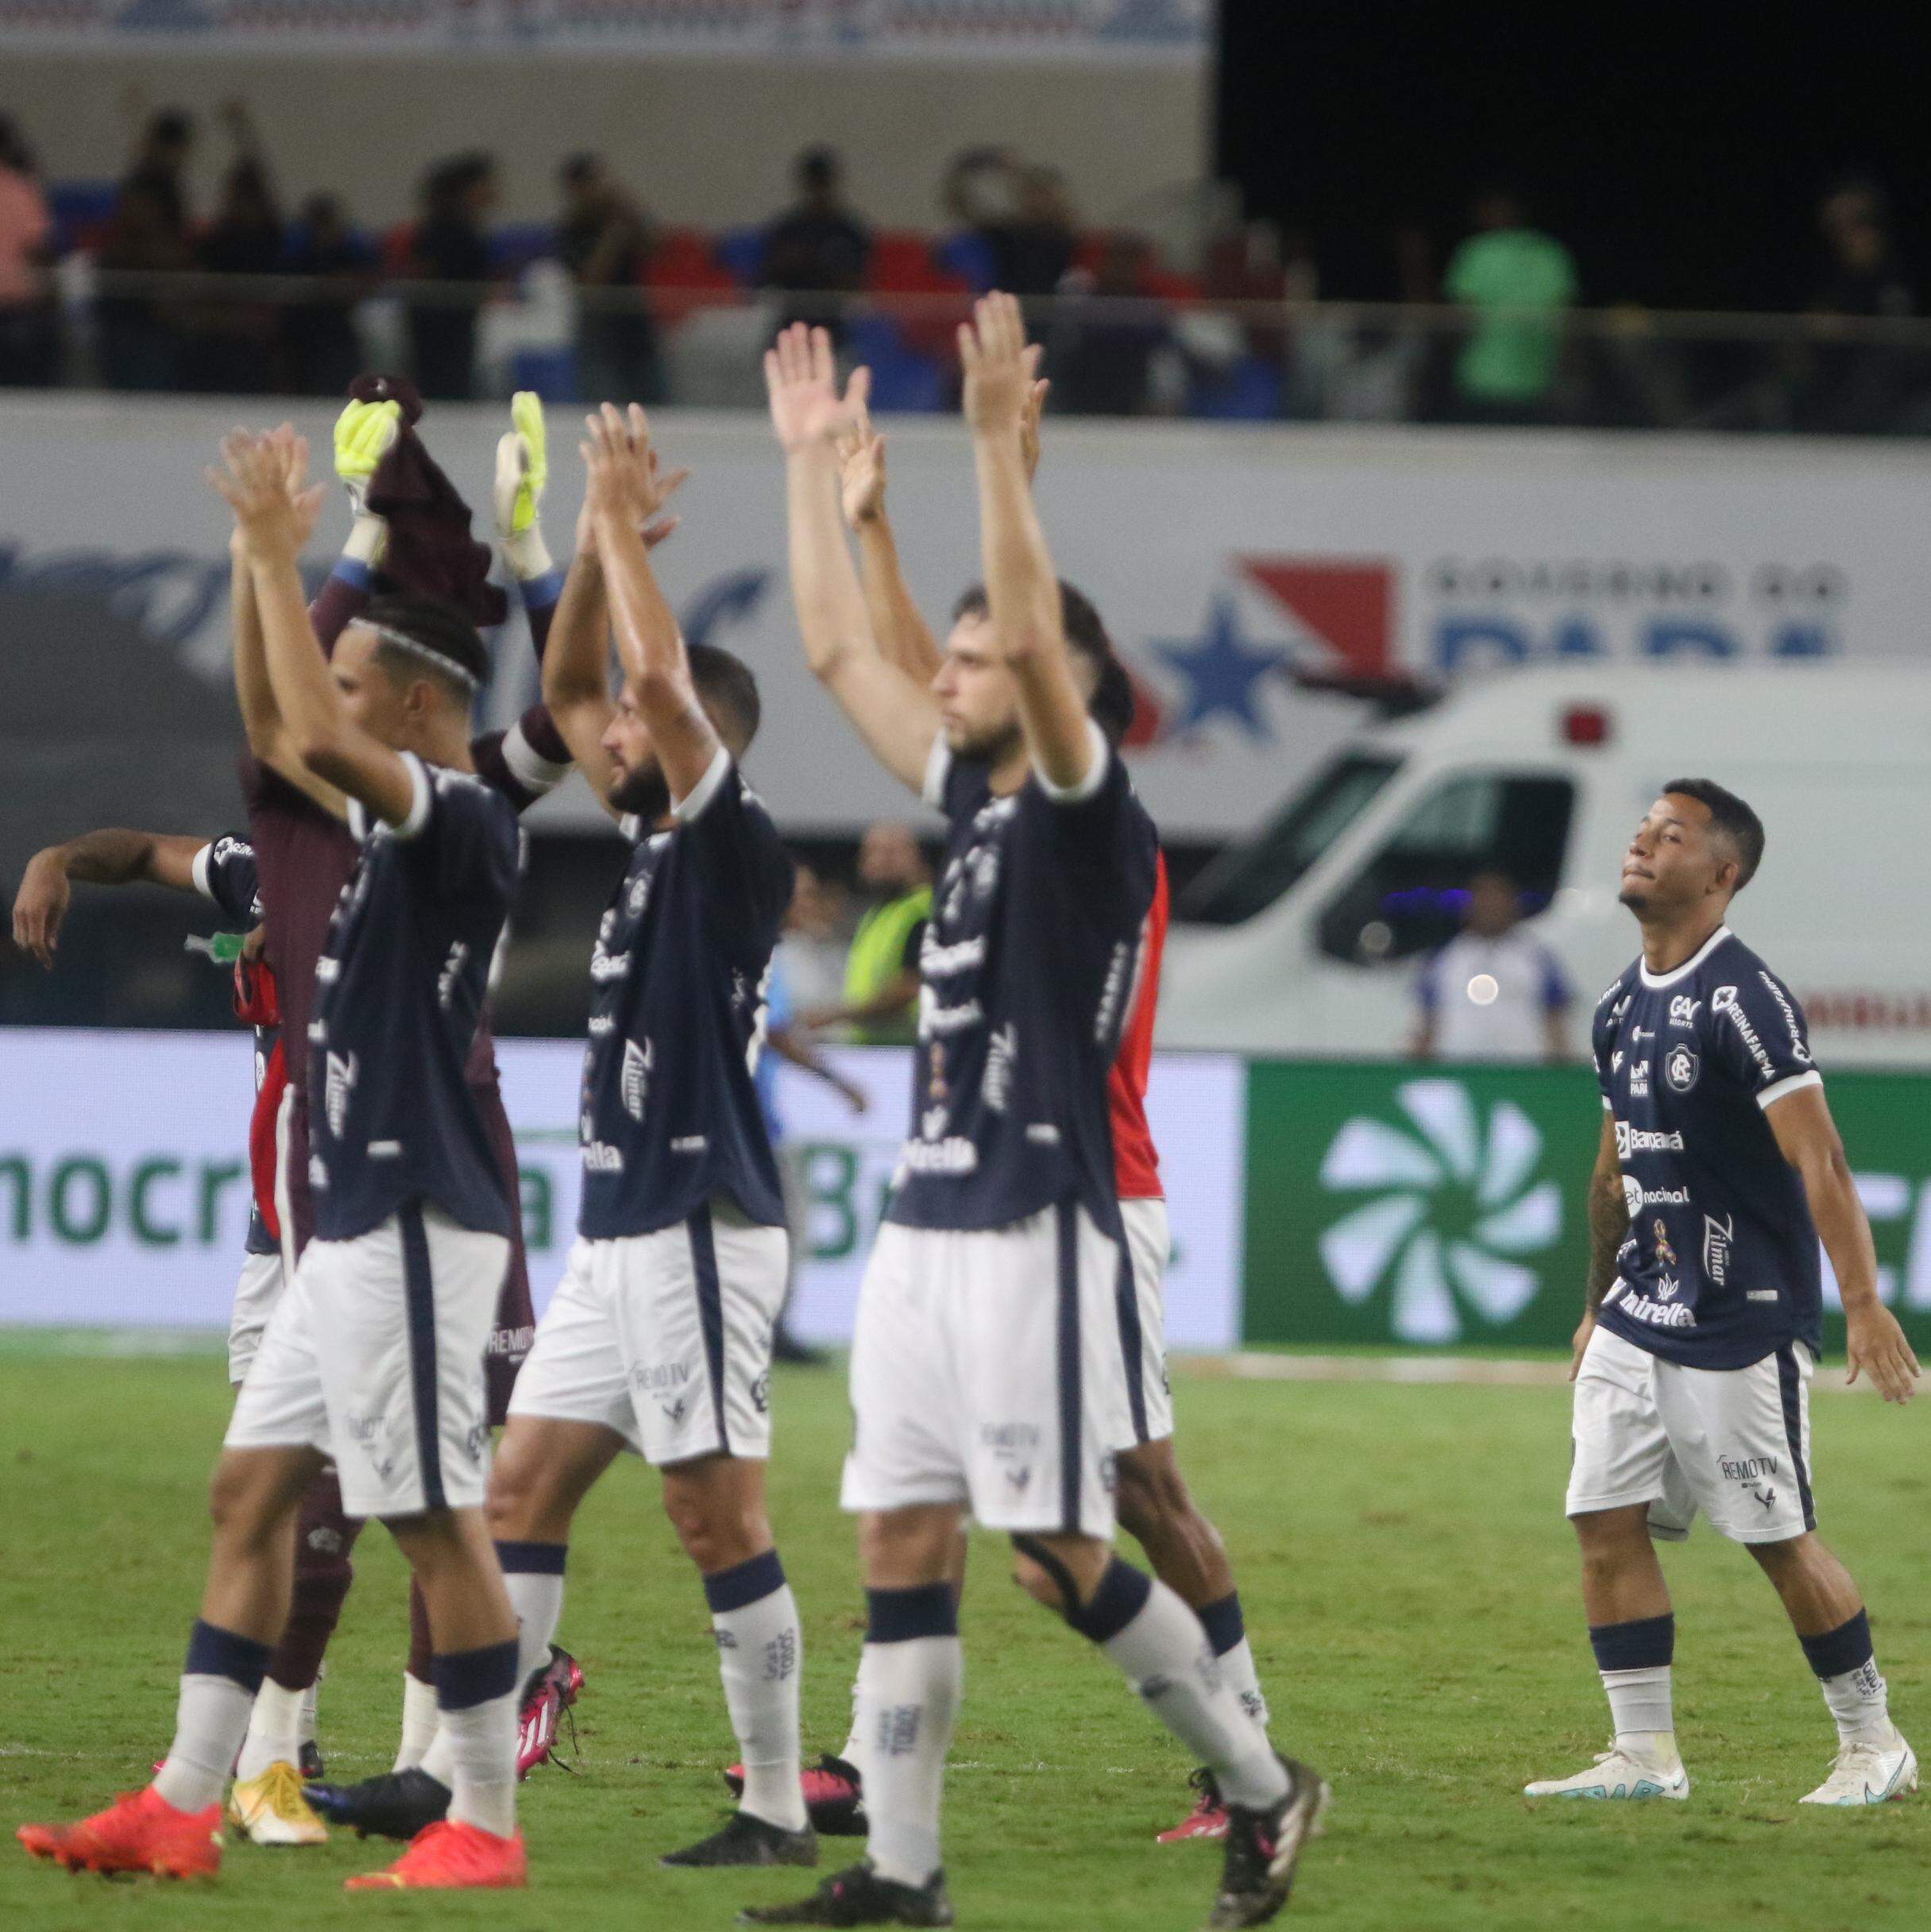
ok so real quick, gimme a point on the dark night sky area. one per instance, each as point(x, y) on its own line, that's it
point(1679, 149)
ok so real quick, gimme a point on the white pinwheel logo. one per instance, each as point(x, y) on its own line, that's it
point(1455, 1207)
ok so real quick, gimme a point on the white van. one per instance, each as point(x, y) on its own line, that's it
point(1307, 938)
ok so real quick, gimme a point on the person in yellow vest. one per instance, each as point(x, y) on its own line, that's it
point(880, 1005)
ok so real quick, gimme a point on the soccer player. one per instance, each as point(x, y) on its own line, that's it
point(658, 1339)
point(987, 1372)
point(1719, 1169)
point(1153, 1502)
point(374, 1354)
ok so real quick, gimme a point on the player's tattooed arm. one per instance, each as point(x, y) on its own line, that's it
point(895, 713)
point(1609, 1218)
point(1022, 587)
point(1875, 1345)
point(110, 857)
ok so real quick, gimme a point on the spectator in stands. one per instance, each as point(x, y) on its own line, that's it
point(820, 247)
point(880, 1004)
point(449, 245)
point(604, 239)
point(1103, 355)
point(1032, 253)
point(160, 165)
point(29, 344)
point(1518, 281)
point(324, 353)
point(1494, 991)
point(1857, 386)
point(139, 333)
point(813, 942)
point(232, 345)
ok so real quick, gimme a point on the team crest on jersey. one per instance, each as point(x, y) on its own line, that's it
point(339, 1084)
point(639, 894)
point(1682, 1068)
point(635, 1082)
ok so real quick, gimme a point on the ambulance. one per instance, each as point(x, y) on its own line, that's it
point(1307, 938)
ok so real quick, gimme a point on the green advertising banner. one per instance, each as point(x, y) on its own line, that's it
point(1444, 1207)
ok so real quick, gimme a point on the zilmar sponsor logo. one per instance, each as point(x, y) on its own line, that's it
point(1456, 1211)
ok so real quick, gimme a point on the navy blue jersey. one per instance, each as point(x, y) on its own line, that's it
point(400, 990)
point(1027, 972)
point(670, 1113)
point(225, 872)
point(1722, 1266)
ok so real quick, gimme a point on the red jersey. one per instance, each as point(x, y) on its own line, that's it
point(1135, 1159)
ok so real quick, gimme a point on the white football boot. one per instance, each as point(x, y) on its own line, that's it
point(272, 1809)
point(1617, 1773)
point(1866, 1774)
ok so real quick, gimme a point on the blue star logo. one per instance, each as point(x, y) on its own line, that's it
point(1221, 669)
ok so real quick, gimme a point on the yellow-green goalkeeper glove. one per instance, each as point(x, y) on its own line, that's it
point(365, 434)
point(523, 472)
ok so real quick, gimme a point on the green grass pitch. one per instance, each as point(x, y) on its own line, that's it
point(1410, 1587)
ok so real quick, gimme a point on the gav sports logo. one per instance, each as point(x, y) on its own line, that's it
point(1455, 1215)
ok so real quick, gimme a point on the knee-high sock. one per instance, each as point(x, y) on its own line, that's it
point(1634, 1660)
point(1151, 1634)
point(218, 1682)
point(477, 1691)
point(760, 1655)
point(418, 1686)
point(323, 1539)
point(274, 1731)
point(1227, 1630)
point(909, 1684)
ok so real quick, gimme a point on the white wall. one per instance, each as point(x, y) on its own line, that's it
point(706, 141)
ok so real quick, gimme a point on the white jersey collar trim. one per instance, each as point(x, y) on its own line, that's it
point(1655, 980)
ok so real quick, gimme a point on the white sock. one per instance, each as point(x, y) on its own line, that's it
point(477, 1692)
point(311, 1699)
point(1239, 1666)
point(1164, 1650)
point(909, 1694)
point(274, 1731)
point(439, 1759)
point(537, 1599)
point(210, 1721)
point(1640, 1707)
point(760, 1652)
point(419, 1722)
point(854, 1750)
point(1860, 1702)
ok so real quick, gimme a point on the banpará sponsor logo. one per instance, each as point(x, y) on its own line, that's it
point(1645, 1140)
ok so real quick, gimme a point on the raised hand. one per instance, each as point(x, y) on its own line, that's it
point(1028, 425)
point(523, 467)
point(264, 483)
point(802, 383)
point(861, 455)
point(1001, 369)
point(625, 477)
point(365, 434)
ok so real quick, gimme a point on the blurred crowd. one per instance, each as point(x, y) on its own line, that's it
point(126, 285)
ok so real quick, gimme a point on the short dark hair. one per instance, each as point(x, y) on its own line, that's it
point(1731, 817)
point(818, 167)
point(432, 634)
point(1112, 704)
point(728, 689)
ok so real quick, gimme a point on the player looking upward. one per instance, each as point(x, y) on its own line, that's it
point(374, 1354)
point(1719, 1168)
point(986, 1371)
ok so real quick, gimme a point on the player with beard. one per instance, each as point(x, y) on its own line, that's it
point(374, 1353)
point(1154, 1504)
point(1719, 1168)
point(986, 1373)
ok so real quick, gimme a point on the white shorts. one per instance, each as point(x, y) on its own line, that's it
point(1733, 1443)
point(254, 1296)
point(665, 1339)
point(1143, 1320)
point(987, 1371)
point(374, 1356)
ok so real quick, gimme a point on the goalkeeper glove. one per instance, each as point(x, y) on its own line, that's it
point(523, 472)
point(365, 434)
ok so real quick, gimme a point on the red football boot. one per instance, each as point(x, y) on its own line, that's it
point(446, 1856)
point(1208, 1818)
point(834, 1796)
point(139, 1832)
point(550, 1692)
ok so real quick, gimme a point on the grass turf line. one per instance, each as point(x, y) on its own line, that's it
point(1411, 1591)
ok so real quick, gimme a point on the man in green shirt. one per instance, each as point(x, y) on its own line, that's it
point(880, 1006)
point(1518, 280)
